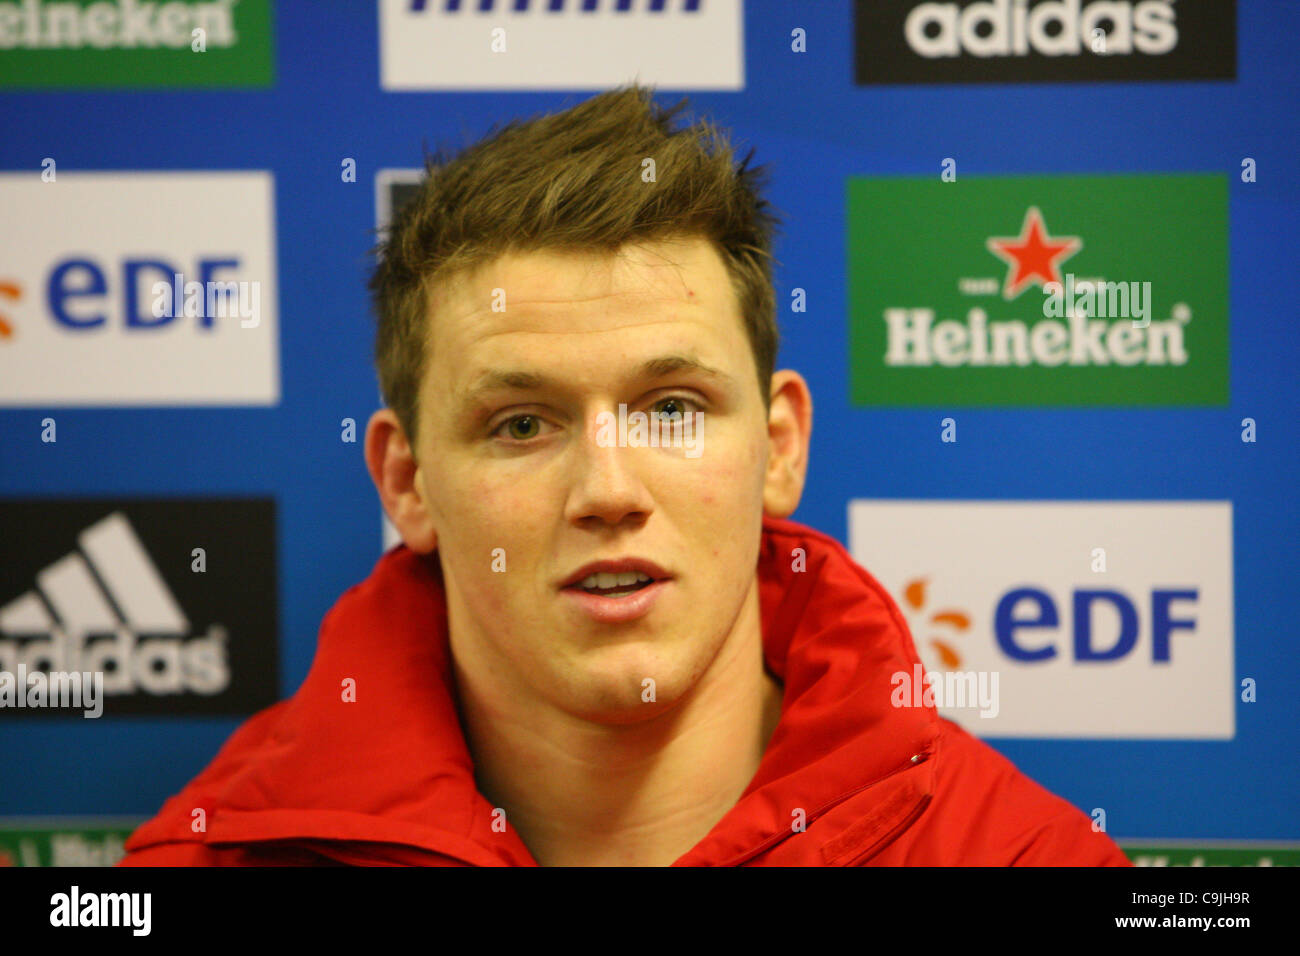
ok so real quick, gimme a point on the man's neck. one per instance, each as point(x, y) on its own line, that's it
point(643, 794)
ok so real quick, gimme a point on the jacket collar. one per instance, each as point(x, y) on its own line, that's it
point(391, 766)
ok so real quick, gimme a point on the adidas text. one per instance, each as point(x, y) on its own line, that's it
point(1052, 28)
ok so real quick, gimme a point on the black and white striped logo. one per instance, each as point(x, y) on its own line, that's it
point(173, 601)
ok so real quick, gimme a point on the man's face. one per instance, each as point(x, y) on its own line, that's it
point(525, 489)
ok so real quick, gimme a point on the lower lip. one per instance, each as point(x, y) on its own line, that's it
point(614, 610)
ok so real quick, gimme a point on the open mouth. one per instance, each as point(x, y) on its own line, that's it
point(618, 595)
point(606, 584)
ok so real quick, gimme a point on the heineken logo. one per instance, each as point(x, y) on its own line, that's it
point(123, 24)
point(1033, 258)
point(916, 340)
point(1087, 290)
point(74, 44)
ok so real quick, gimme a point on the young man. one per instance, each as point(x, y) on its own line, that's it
point(601, 642)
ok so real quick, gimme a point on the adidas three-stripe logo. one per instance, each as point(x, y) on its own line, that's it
point(110, 589)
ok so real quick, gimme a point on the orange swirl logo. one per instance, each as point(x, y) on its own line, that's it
point(915, 597)
point(8, 290)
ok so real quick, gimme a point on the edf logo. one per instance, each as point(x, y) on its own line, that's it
point(1011, 619)
point(151, 293)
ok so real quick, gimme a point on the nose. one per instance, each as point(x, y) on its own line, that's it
point(607, 487)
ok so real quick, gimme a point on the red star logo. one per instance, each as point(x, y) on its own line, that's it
point(1033, 256)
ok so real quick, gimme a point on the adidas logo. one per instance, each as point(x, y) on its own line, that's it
point(992, 28)
point(105, 607)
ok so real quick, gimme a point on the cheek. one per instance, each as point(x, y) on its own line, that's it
point(478, 511)
point(729, 472)
point(726, 484)
point(492, 528)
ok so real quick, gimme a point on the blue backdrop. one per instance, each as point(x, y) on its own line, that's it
point(817, 129)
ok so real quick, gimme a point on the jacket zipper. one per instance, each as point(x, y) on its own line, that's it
point(776, 838)
point(891, 836)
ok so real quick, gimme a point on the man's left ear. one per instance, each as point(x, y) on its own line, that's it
point(789, 428)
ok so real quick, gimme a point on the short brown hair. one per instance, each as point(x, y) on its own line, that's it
point(571, 180)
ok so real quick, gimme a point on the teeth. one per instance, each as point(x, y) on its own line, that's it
point(606, 579)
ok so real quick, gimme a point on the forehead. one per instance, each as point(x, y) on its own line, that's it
point(553, 309)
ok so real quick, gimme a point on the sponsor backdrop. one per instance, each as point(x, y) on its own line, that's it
point(1035, 265)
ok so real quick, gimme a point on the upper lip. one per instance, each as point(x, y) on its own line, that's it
point(614, 566)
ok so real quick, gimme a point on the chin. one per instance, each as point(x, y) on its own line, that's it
point(615, 692)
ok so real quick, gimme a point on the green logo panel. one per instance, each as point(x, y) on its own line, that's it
point(135, 44)
point(68, 842)
point(1212, 853)
point(1084, 291)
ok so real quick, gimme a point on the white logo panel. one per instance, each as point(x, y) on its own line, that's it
point(1102, 619)
point(561, 44)
point(139, 289)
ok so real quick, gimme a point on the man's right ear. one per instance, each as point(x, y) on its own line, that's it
point(392, 468)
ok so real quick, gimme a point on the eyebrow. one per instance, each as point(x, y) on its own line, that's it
point(519, 380)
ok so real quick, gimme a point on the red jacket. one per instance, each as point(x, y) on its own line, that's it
point(387, 779)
